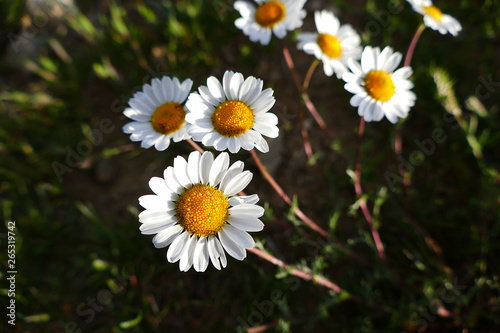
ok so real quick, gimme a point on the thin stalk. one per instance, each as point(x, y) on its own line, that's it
point(398, 140)
point(321, 280)
point(310, 223)
point(309, 74)
point(359, 193)
point(413, 44)
point(285, 197)
point(195, 146)
point(305, 96)
point(305, 135)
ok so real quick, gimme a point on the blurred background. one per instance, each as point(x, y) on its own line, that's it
point(71, 179)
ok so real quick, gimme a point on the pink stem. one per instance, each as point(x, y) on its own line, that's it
point(398, 140)
point(359, 193)
point(305, 96)
point(195, 145)
point(285, 197)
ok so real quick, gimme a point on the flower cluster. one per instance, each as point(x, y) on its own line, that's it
point(195, 208)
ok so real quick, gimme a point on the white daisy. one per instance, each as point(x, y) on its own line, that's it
point(232, 115)
point(434, 18)
point(258, 23)
point(332, 44)
point(378, 89)
point(158, 113)
point(196, 211)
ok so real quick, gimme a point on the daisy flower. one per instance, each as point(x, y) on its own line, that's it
point(333, 44)
point(378, 89)
point(434, 18)
point(232, 115)
point(270, 16)
point(196, 211)
point(158, 113)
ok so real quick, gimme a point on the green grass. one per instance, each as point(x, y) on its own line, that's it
point(70, 178)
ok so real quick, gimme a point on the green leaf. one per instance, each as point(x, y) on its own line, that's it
point(128, 324)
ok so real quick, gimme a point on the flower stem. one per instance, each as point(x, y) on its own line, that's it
point(321, 280)
point(305, 136)
point(359, 193)
point(305, 96)
point(413, 44)
point(285, 197)
point(309, 74)
point(296, 272)
point(398, 139)
point(310, 223)
point(195, 145)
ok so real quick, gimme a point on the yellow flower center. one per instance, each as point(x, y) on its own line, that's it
point(330, 45)
point(168, 118)
point(269, 13)
point(232, 118)
point(379, 85)
point(434, 12)
point(202, 210)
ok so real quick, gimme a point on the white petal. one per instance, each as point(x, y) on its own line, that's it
point(177, 90)
point(163, 143)
point(212, 252)
point(234, 85)
point(200, 256)
point(226, 83)
point(368, 61)
point(246, 223)
point(249, 199)
point(168, 88)
point(266, 129)
point(188, 254)
point(155, 217)
point(233, 170)
point(215, 89)
point(234, 250)
point(185, 89)
point(207, 96)
point(218, 169)
point(246, 88)
point(136, 115)
point(156, 203)
point(171, 181)
point(392, 62)
point(136, 126)
point(238, 236)
point(154, 228)
point(238, 183)
point(175, 250)
point(262, 145)
point(193, 167)
point(247, 209)
point(216, 252)
point(167, 236)
point(206, 161)
point(159, 187)
point(180, 171)
point(159, 91)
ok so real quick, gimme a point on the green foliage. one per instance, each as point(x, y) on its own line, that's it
point(70, 179)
